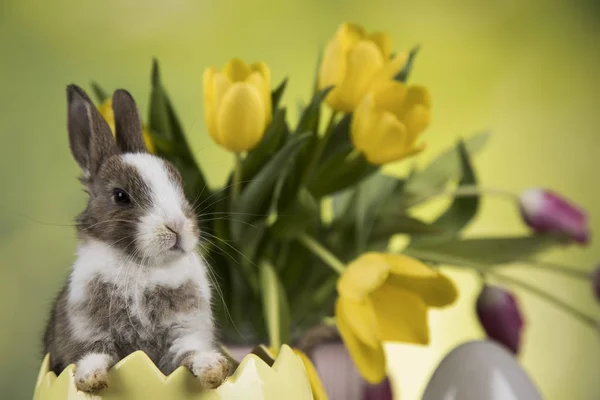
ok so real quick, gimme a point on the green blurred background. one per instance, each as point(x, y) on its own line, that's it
point(528, 71)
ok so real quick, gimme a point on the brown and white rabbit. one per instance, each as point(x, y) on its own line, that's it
point(137, 282)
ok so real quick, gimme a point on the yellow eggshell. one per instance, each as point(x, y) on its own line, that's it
point(137, 378)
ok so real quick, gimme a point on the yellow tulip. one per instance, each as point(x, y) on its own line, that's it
point(384, 297)
point(108, 114)
point(353, 62)
point(237, 104)
point(388, 121)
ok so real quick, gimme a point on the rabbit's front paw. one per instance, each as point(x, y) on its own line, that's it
point(91, 373)
point(211, 368)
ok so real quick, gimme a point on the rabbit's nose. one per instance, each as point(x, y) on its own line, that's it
point(176, 238)
point(175, 224)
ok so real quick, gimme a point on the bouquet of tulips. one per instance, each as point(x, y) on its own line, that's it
point(299, 235)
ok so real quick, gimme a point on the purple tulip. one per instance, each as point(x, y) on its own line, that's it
point(596, 282)
point(500, 317)
point(381, 391)
point(546, 212)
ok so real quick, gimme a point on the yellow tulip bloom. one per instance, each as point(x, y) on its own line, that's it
point(237, 104)
point(108, 114)
point(353, 62)
point(384, 297)
point(388, 121)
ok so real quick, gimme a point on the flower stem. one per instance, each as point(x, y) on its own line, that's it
point(557, 268)
point(432, 257)
point(312, 166)
point(460, 262)
point(330, 123)
point(237, 178)
point(320, 251)
point(491, 270)
point(586, 319)
point(469, 191)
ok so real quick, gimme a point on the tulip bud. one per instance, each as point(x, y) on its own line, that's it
point(105, 109)
point(596, 282)
point(546, 212)
point(237, 104)
point(381, 391)
point(499, 315)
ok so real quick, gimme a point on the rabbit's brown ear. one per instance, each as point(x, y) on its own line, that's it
point(90, 138)
point(128, 126)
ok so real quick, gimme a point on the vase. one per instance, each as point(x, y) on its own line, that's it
point(137, 378)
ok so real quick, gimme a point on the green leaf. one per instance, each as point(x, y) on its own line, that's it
point(303, 274)
point(388, 225)
point(309, 121)
point(292, 259)
point(339, 141)
point(277, 94)
point(484, 251)
point(275, 306)
point(405, 72)
point(315, 298)
point(290, 180)
point(446, 167)
point(372, 194)
point(340, 233)
point(300, 216)
point(463, 209)
point(254, 198)
point(342, 203)
point(317, 68)
point(271, 142)
point(376, 212)
point(166, 130)
point(250, 249)
point(340, 172)
point(251, 246)
point(280, 198)
point(165, 146)
point(163, 120)
point(300, 106)
point(158, 120)
point(101, 94)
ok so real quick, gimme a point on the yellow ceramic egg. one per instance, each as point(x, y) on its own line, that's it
point(137, 378)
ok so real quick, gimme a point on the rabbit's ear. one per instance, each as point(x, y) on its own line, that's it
point(90, 137)
point(128, 126)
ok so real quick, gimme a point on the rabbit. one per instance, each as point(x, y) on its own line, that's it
point(137, 282)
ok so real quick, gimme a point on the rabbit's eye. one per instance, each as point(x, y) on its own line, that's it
point(121, 197)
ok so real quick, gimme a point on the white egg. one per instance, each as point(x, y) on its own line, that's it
point(480, 370)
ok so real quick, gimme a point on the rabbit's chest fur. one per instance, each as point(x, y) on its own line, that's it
point(134, 307)
point(134, 317)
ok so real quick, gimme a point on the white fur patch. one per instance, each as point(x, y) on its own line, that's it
point(97, 259)
point(210, 367)
point(167, 203)
point(93, 362)
point(84, 331)
point(199, 341)
point(166, 196)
